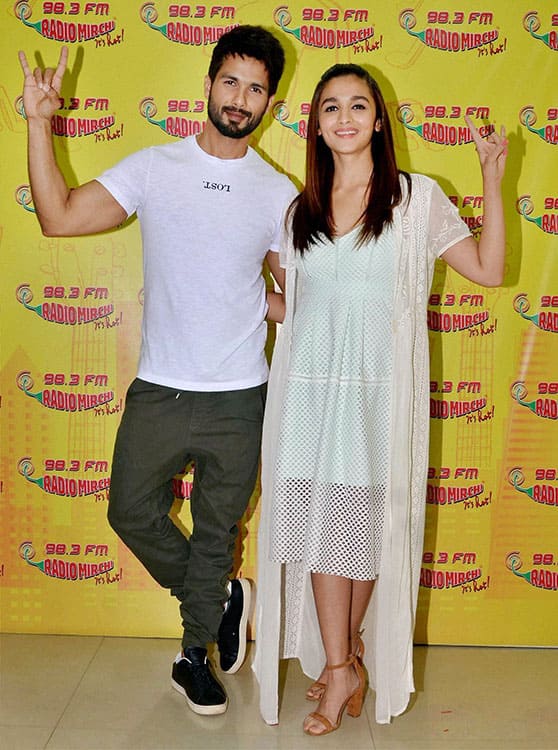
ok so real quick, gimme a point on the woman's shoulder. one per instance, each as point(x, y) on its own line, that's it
point(420, 185)
point(418, 179)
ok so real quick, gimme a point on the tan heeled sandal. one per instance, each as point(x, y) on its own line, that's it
point(353, 702)
point(316, 689)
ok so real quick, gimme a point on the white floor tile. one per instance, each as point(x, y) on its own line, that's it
point(74, 693)
point(24, 738)
point(39, 674)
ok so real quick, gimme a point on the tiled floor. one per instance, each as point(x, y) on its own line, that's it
point(71, 693)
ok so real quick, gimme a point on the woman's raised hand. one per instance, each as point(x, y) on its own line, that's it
point(492, 151)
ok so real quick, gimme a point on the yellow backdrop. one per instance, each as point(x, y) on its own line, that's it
point(72, 307)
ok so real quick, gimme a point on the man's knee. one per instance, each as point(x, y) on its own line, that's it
point(128, 520)
point(122, 513)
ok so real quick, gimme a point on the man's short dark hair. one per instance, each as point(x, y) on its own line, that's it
point(250, 41)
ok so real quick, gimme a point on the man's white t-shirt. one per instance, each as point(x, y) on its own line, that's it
point(207, 224)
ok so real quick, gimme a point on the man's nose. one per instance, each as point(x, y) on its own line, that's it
point(239, 98)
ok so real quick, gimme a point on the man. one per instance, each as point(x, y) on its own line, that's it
point(211, 210)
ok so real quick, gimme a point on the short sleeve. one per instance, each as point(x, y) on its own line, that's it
point(286, 248)
point(127, 180)
point(280, 240)
point(445, 225)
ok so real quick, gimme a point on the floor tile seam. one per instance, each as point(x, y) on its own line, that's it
point(74, 691)
point(370, 716)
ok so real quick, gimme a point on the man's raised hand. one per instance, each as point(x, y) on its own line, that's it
point(41, 88)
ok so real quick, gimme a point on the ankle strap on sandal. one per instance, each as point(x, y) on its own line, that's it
point(347, 663)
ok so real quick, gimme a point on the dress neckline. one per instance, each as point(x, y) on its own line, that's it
point(347, 234)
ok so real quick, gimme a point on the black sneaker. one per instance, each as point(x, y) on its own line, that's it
point(193, 677)
point(232, 631)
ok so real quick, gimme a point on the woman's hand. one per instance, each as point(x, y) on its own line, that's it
point(275, 307)
point(483, 263)
point(492, 152)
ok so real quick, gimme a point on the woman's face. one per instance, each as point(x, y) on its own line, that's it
point(347, 115)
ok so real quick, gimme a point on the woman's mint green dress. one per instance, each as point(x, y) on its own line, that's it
point(332, 463)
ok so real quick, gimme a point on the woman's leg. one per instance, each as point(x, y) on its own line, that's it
point(361, 591)
point(333, 595)
point(360, 599)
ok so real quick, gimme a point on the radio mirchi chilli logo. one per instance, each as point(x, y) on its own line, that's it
point(280, 112)
point(54, 484)
point(472, 496)
point(532, 23)
point(52, 26)
point(546, 320)
point(548, 132)
point(179, 29)
point(319, 28)
point(539, 577)
point(445, 134)
point(545, 489)
point(544, 407)
point(474, 410)
point(174, 123)
point(70, 569)
point(548, 221)
point(444, 31)
point(68, 401)
point(54, 310)
point(24, 198)
point(438, 572)
point(75, 125)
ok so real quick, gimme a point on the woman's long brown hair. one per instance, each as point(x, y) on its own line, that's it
point(311, 213)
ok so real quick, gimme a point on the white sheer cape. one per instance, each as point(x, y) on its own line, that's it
point(286, 621)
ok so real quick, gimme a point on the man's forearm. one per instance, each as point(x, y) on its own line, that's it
point(48, 186)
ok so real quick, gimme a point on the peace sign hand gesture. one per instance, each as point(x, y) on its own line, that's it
point(41, 88)
point(492, 152)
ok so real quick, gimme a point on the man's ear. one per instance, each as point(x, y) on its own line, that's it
point(269, 103)
point(206, 86)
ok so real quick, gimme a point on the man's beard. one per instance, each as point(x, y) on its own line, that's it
point(232, 129)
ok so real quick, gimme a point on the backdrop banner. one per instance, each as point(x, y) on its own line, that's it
point(72, 307)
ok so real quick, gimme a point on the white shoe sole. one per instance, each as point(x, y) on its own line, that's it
point(247, 599)
point(196, 707)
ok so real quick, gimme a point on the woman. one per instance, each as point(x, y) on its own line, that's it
point(346, 428)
